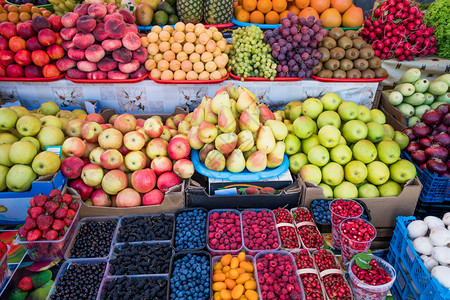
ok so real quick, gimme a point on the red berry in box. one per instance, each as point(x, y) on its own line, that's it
point(51, 206)
point(341, 209)
point(259, 230)
point(34, 235)
point(61, 212)
point(30, 223)
point(67, 199)
point(358, 230)
point(51, 235)
point(54, 193)
point(288, 234)
point(25, 284)
point(376, 275)
point(40, 200)
point(58, 224)
point(44, 221)
point(36, 212)
point(224, 231)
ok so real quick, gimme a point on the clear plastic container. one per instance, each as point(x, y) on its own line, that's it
point(293, 226)
point(65, 266)
point(253, 252)
point(215, 252)
point(119, 226)
point(336, 219)
point(317, 232)
point(51, 250)
point(77, 229)
point(364, 291)
point(175, 228)
point(283, 253)
point(350, 247)
point(4, 266)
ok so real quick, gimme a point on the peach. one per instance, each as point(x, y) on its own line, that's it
point(17, 43)
point(55, 51)
point(68, 33)
point(14, 70)
point(46, 37)
point(76, 54)
point(6, 57)
point(69, 19)
point(127, 16)
point(33, 71)
point(68, 45)
point(83, 40)
point(122, 55)
point(81, 9)
point(40, 58)
point(3, 71)
point(115, 15)
point(117, 75)
point(23, 58)
point(132, 28)
point(97, 75)
point(111, 44)
point(130, 67)
point(97, 10)
point(55, 23)
point(86, 23)
point(3, 43)
point(100, 33)
point(111, 8)
point(8, 30)
point(86, 66)
point(107, 64)
point(131, 41)
point(141, 72)
point(33, 44)
point(39, 23)
point(141, 55)
point(115, 29)
point(65, 64)
point(94, 53)
point(25, 30)
point(76, 74)
point(50, 70)
point(59, 39)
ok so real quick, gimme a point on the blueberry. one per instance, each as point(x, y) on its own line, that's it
point(190, 229)
point(93, 239)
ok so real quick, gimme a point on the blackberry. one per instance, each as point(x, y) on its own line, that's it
point(190, 229)
point(135, 288)
point(145, 228)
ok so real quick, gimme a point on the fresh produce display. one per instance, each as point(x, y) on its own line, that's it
point(258, 227)
point(233, 278)
point(129, 287)
point(430, 239)
point(356, 237)
point(286, 229)
point(397, 29)
point(340, 210)
point(20, 14)
point(414, 96)
point(190, 229)
point(345, 55)
point(375, 145)
point(438, 15)
point(321, 211)
point(186, 52)
point(212, 12)
point(294, 45)
point(145, 228)
point(310, 280)
point(224, 231)
point(156, 13)
point(101, 43)
point(307, 230)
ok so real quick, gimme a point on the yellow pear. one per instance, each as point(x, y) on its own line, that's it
point(279, 115)
point(249, 120)
point(250, 152)
point(220, 100)
point(257, 162)
point(236, 161)
point(193, 139)
point(226, 142)
point(245, 101)
point(198, 116)
point(215, 161)
point(279, 129)
point(265, 140)
point(275, 158)
point(245, 140)
point(227, 123)
point(210, 116)
point(242, 89)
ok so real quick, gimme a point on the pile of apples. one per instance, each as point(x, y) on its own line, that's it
point(127, 162)
point(30, 49)
point(345, 148)
point(101, 43)
point(234, 131)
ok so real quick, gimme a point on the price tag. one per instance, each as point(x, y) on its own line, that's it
point(226, 192)
point(55, 149)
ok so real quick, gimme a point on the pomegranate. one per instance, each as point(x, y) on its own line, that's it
point(425, 142)
point(432, 116)
point(441, 128)
point(436, 165)
point(421, 130)
point(444, 108)
point(409, 132)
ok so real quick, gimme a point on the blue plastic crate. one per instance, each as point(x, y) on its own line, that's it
point(435, 188)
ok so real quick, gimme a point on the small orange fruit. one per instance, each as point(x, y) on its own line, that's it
point(13, 17)
point(301, 4)
point(284, 14)
point(320, 5)
point(272, 17)
point(249, 5)
point(353, 17)
point(242, 16)
point(331, 18)
point(294, 9)
point(309, 11)
point(341, 5)
point(264, 6)
point(257, 17)
point(279, 5)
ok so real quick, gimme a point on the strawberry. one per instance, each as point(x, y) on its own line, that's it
point(32, 203)
point(58, 199)
point(34, 235)
point(51, 235)
point(74, 206)
point(54, 193)
point(26, 284)
point(44, 233)
point(71, 213)
point(40, 200)
point(67, 199)
point(51, 206)
point(58, 224)
point(68, 221)
point(30, 223)
point(61, 212)
point(22, 233)
point(62, 232)
point(36, 212)
point(44, 221)
point(29, 210)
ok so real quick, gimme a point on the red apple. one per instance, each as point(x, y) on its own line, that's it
point(82, 189)
point(8, 30)
point(73, 146)
point(154, 197)
point(71, 167)
point(143, 181)
point(161, 165)
point(128, 198)
point(6, 57)
point(55, 23)
point(184, 168)
point(167, 180)
point(178, 148)
point(100, 198)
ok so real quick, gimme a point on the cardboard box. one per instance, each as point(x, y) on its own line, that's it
point(394, 117)
point(173, 201)
point(107, 113)
point(384, 210)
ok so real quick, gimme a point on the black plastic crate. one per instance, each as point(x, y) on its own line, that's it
point(424, 209)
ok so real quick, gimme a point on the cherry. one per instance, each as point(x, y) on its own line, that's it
point(288, 235)
point(310, 281)
point(302, 214)
point(356, 236)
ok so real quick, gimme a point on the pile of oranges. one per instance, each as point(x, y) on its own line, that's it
point(25, 12)
point(333, 13)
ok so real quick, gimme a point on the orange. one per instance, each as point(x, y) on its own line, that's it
point(13, 17)
point(279, 5)
point(309, 11)
point(284, 14)
point(240, 2)
point(24, 16)
point(249, 5)
point(242, 16)
point(331, 18)
point(257, 17)
point(341, 5)
point(294, 9)
point(272, 17)
point(353, 17)
point(301, 4)
point(320, 5)
point(237, 9)
point(264, 6)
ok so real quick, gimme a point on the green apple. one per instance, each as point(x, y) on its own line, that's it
point(388, 152)
point(297, 161)
point(401, 139)
point(327, 190)
point(50, 136)
point(332, 173)
point(402, 171)
point(51, 121)
point(354, 130)
point(318, 155)
point(341, 154)
point(8, 118)
point(49, 108)
point(329, 118)
point(390, 189)
point(20, 177)
point(22, 153)
point(386, 138)
point(293, 144)
point(312, 108)
point(378, 116)
point(311, 173)
point(3, 173)
point(32, 140)
point(20, 110)
point(7, 138)
point(355, 172)
point(304, 127)
point(364, 114)
point(348, 110)
point(28, 125)
point(46, 163)
point(368, 190)
point(310, 142)
point(4, 155)
point(331, 101)
point(378, 173)
point(365, 151)
point(288, 108)
point(389, 131)
point(376, 132)
point(329, 136)
point(342, 141)
point(345, 190)
point(296, 112)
